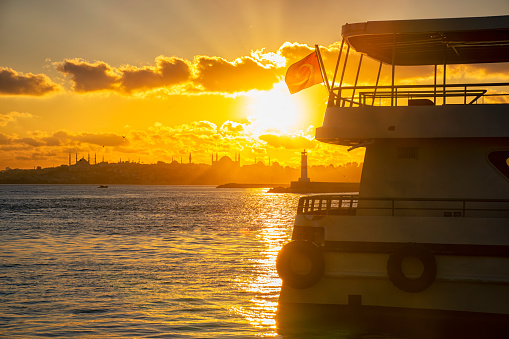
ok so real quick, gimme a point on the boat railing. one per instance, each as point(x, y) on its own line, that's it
point(465, 94)
point(321, 205)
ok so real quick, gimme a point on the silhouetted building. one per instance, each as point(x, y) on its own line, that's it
point(304, 167)
point(226, 161)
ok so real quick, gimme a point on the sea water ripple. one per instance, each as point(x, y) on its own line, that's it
point(140, 261)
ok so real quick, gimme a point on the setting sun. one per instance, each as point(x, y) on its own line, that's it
point(275, 110)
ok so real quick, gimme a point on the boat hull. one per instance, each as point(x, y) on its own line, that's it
point(357, 320)
point(467, 287)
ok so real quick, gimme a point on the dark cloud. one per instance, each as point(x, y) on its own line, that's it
point(37, 156)
point(218, 75)
point(31, 142)
point(13, 83)
point(89, 77)
point(4, 139)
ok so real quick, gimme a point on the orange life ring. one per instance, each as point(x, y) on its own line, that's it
point(398, 277)
point(300, 264)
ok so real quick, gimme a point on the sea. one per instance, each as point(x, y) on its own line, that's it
point(78, 261)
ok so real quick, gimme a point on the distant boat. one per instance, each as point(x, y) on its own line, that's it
point(102, 186)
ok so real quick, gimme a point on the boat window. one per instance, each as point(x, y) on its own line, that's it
point(500, 159)
point(407, 152)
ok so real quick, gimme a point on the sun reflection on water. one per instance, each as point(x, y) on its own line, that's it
point(264, 284)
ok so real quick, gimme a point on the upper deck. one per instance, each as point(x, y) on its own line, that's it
point(358, 113)
point(431, 41)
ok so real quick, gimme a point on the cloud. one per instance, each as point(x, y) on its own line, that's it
point(219, 75)
point(98, 139)
point(88, 77)
point(4, 139)
point(294, 51)
point(31, 142)
point(205, 74)
point(37, 156)
point(164, 143)
point(12, 116)
point(14, 83)
point(167, 72)
point(287, 141)
point(232, 127)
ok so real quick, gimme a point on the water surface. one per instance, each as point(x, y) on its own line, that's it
point(140, 261)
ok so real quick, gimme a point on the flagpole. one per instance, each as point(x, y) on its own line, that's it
point(331, 93)
point(322, 68)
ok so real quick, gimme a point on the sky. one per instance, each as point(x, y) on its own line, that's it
point(156, 80)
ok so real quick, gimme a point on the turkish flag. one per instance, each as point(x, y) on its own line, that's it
point(304, 73)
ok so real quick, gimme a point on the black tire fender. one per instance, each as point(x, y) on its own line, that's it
point(400, 280)
point(300, 264)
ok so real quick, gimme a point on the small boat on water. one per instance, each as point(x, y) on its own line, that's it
point(102, 186)
point(424, 245)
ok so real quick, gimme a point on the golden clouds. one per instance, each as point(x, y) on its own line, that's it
point(244, 74)
point(87, 77)
point(99, 76)
point(205, 74)
point(167, 72)
point(14, 83)
point(165, 143)
point(97, 139)
point(288, 141)
point(11, 117)
point(64, 139)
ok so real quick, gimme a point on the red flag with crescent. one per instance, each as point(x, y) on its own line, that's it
point(304, 73)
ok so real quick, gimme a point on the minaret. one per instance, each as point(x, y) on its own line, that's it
point(189, 157)
point(304, 167)
point(69, 158)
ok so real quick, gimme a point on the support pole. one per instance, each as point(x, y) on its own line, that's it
point(445, 63)
point(356, 79)
point(322, 68)
point(445, 68)
point(376, 84)
point(343, 73)
point(337, 65)
point(393, 67)
point(435, 87)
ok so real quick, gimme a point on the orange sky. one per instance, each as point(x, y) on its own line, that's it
point(154, 80)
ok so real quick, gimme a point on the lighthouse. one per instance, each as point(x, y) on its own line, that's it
point(304, 167)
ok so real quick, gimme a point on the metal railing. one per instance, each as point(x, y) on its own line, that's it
point(353, 205)
point(379, 95)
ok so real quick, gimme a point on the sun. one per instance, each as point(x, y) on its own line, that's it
point(275, 110)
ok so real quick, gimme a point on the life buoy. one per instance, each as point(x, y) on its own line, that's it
point(300, 264)
point(398, 277)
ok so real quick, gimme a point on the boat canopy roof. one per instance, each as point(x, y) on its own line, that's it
point(432, 41)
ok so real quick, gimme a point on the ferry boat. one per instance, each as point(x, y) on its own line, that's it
point(424, 245)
